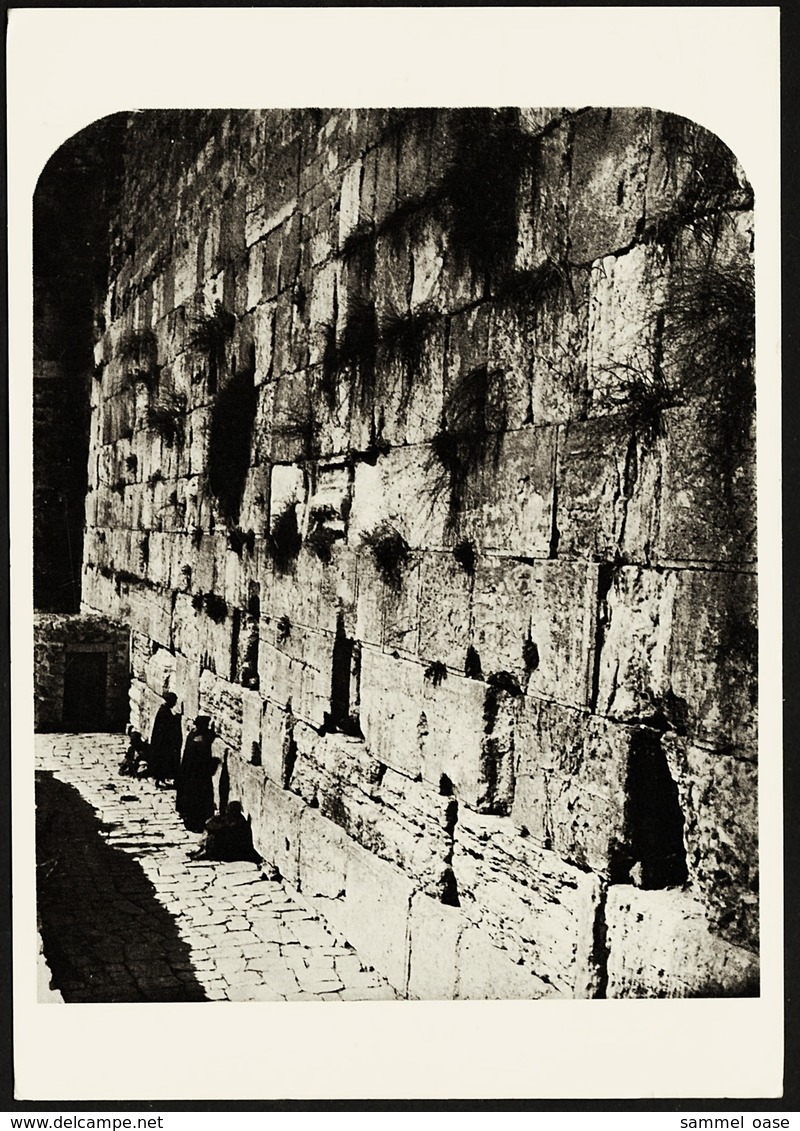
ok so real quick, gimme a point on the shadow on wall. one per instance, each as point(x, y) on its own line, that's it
point(106, 937)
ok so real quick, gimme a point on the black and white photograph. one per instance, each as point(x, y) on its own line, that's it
point(395, 558)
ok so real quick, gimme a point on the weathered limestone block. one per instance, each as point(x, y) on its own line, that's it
point(252, 710)
point(159, 671)
point(370, 599)
point(255, 500)
point(659, 945)
point(610, 157)
point(561, 336)
point(527, 901)
point(428, 250)
point(222, 701)
point(410, 473)
point(467, 348)
point(314, 593)
point(626, 295)
point(348, 201)
point(570, 782)
point(409, 392)
point(515, 512)
point(708, 487)
point(186, 685)
point(434, 933)
point(385, 813)
point(392, 277)
point(197, 439)
point(444, 610)
point(719, 799)
point(275, 816)
point(401, 615)
point(450, 732)
point(385, 199)
point(376, 914)
point(544, 196)
point(690, 170)
point(633, 667)
point(609, 490)
point(151, 613)
point(487, 970)
point(298, 670)
point(510, 353)
point(291, 420)
point(537, 622)
point(391, 706)
point(714, 655)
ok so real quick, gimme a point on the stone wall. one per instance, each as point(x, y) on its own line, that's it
point(62, 640)
point(422, 460)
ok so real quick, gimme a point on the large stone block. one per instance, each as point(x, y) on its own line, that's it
point(627, 295)
point(544, 197)
point(719, 799)
point(537, 621)
point(451, 732)
point(714, 655)
point(515, 513)
point(610, 158)
point(634, 665)
point(298, 670)
point(570, 782)
point(391, 707)
point(560, 307)
point(445, 597)
point(527, 902)
point(222, 701)
point(377, 903)
point(659, 945)
point(434, 933)
point(708, 486)
point(487, 970)
point(609, 490)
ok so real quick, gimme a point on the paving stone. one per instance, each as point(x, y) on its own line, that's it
point(224, 932)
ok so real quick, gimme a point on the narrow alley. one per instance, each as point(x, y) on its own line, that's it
point(125, 915)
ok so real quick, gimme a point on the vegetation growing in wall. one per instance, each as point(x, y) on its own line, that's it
point(284, 540)
point(209, 336)
point(138, 352)
point(230, 438)
point(710, 189)
point(464, 553)
point(464, 440)
point(436, 672)
point(239, 540)
point(481, 187)
point(166, 418)
point(284, 630)
point(390, 553)
point(321, 537)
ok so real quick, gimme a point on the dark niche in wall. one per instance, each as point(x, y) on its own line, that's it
point(231, 431)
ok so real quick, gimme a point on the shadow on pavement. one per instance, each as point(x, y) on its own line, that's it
point(106, 937)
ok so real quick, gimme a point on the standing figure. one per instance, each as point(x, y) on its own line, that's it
point(194, 799)
point(165, 742)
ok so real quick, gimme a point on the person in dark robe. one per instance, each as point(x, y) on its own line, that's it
point(194, 798)
point(228, 837)
point(165, 742)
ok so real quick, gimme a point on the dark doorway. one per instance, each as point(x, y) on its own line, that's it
point(85, 675)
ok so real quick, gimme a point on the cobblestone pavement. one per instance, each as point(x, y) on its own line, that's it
point(126, 916)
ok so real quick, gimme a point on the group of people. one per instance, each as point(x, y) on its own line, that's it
point(227, 835)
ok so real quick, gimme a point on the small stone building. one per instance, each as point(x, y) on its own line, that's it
point(81, 673)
